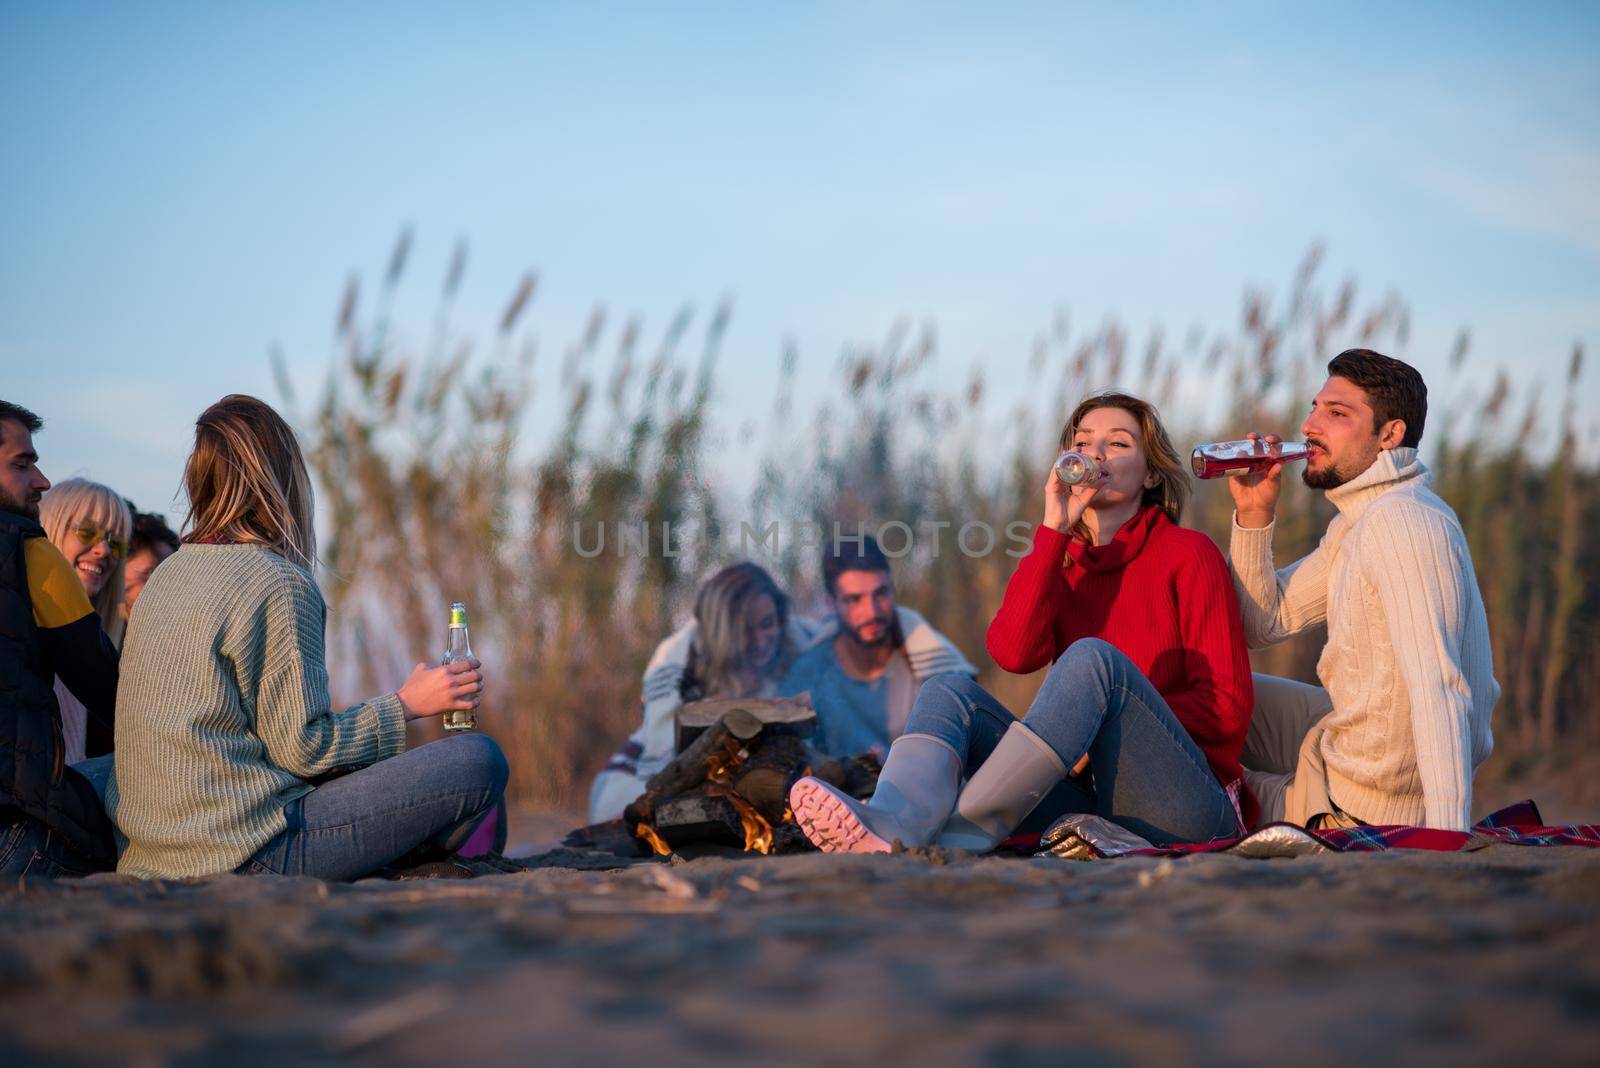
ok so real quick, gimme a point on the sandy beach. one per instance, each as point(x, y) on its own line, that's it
point(943, 958)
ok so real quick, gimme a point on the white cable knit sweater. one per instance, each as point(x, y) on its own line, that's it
point(1407, 663)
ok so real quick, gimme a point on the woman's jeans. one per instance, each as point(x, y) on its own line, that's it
point(1149, 776)
point(429, 798)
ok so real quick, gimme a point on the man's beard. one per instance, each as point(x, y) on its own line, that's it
point(16, 507)
point(890, 635)
point(1323, 480)
point(1333, 477)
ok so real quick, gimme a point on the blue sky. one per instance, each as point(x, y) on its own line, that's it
point(185, 185)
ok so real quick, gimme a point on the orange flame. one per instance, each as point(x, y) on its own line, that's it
point(720, 767)
point(720, 764)
point(648, 833)
point(757, 831)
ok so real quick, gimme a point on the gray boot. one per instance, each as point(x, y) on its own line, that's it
point(916, 791)
point(1001, 794)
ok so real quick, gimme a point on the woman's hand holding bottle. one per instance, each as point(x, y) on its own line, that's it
point(433, 691)
point(1065, 504)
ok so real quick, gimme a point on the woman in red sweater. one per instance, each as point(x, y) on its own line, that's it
point(1150, 687)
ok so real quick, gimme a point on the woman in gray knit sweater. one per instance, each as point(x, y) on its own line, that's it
point(223, 714)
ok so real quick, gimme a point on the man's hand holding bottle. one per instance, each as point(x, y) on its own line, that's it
point(1255, 493)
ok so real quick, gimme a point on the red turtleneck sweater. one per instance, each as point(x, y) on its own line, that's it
point(1163, 595)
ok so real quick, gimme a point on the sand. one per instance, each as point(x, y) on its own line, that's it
point(1483, 957)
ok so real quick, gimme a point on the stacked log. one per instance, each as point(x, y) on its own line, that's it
point(729, 784)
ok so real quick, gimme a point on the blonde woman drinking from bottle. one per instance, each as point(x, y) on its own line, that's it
point(223, 713)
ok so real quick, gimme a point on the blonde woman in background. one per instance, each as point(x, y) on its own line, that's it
point(90, 524)
point(230, 754)
point(740, 642)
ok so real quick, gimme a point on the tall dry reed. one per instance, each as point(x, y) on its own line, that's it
point(431, 493)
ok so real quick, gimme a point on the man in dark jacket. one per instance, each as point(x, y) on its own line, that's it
point(51, 819)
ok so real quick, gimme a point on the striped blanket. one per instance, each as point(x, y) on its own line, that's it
point(1086, 837)
point(650, 747)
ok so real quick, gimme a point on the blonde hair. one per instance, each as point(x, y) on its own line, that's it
point(65, 505)
point(718, 650)
point(247, 482)
point(1171, 490)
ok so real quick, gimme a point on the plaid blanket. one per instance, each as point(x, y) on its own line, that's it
point(1087, 837)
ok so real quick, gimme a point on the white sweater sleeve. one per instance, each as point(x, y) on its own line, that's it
point(1424, 606)
point(1276, 605)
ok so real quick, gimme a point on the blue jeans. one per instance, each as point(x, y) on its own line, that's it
point(31, 848)
point(1149, 776)
point(432, 797)
point(98, 771)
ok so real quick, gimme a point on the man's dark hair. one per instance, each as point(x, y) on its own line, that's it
point(851, 553)
point(1394, 389)
point(21, 415)
point(150, 530)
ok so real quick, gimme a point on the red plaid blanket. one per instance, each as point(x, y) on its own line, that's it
point(1520, 824)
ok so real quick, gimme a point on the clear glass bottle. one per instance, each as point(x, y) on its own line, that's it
point(458, 647)
point(1074, 468)
point(1235, 458)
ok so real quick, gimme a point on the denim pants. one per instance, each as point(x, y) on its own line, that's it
point(1149, 775)
point(98, 771)
point(29, 847)
point(430, 798)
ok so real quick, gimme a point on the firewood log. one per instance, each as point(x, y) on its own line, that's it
point(689, 768)
point(788, 838)
point(861, 775)
point(613, 837)
point(765, 778)
point(782, 715)
point(698, 817)
point(825, 767)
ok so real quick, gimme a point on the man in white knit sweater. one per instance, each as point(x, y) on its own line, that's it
point(1402, 719)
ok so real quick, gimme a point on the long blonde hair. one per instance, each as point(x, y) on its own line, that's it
point(718, 650)
point(247, 481)
point(77, 500)
point(1171, 490)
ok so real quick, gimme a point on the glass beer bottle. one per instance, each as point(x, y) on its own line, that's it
point(459, 647)
point(1235, 458)
point(1074, 468)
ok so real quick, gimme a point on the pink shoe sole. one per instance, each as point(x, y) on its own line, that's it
point(830, 821)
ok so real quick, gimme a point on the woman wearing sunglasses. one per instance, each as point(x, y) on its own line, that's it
point(90, 524)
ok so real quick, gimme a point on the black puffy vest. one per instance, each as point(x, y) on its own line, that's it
point(34, 778)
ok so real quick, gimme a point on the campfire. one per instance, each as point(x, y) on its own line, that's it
point(729, 784)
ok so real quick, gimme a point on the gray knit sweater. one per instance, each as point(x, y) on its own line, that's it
point(223, 711)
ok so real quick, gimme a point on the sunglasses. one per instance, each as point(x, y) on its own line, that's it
point(90, 532)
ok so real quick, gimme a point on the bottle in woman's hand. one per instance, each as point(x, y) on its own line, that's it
point(1074, 479)
point(458, 649)
point(1076, 469)
point(451, 689)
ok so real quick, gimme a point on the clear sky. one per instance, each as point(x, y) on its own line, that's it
point(184, 185)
